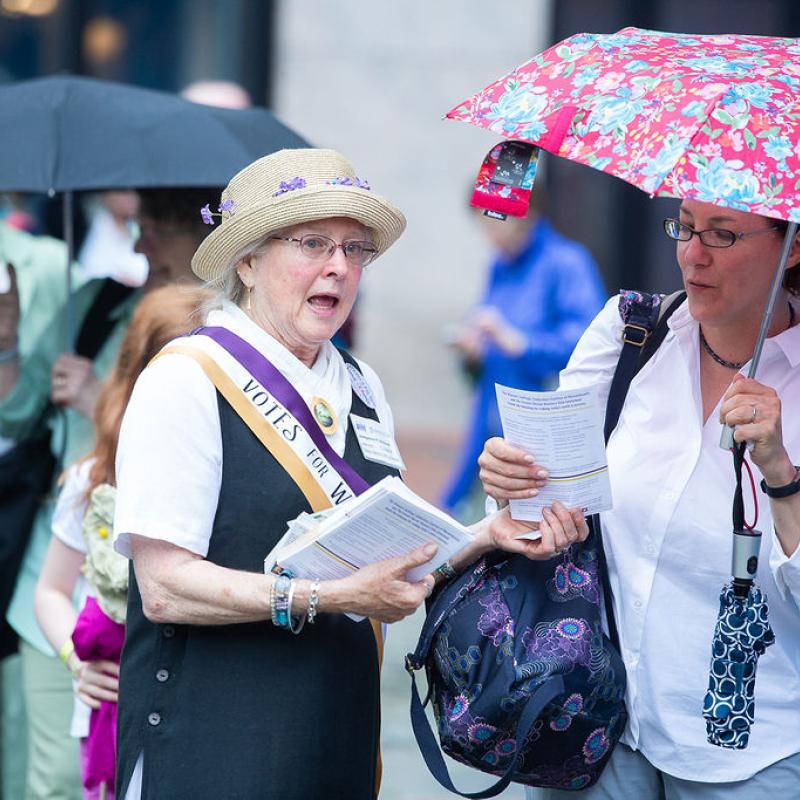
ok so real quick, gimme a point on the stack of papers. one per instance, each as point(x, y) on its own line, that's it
point(563, 431)
point(385, 521)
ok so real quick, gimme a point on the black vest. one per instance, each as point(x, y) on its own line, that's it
point(251, 711)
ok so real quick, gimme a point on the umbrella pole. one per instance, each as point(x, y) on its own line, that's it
point(726, 441)
point(69, 315)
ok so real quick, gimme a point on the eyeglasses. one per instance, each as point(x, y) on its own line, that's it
point(713, 237)
point(315, 247)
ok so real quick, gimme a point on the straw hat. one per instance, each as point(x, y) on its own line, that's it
point(284, 189)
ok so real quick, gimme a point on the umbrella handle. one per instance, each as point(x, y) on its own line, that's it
point(726, 440)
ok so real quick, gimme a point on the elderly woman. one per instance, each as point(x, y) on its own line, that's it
point(668, 539)
point(226, 439)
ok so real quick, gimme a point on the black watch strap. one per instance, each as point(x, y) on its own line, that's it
point(783, 491)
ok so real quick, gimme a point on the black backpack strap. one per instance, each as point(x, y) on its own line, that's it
point(434, 760)
point(645, 318)
point(99, 320)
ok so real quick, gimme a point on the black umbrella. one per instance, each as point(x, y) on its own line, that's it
point(66, 133)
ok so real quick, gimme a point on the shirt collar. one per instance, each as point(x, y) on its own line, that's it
point(788, 341)
point(232, 317)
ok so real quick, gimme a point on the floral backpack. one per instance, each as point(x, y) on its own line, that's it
point(524, 682)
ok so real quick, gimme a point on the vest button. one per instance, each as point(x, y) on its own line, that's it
point(162, 675)
point(154, 718)
point(168, 631)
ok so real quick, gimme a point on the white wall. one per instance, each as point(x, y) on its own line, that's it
point(373, 79)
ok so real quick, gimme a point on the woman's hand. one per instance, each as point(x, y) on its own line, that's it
point(98, 681)
point(73, 384)
point(509, 473)
point(756, 411)
point(380, 590)
point(559, 528)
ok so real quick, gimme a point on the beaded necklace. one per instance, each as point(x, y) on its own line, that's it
point(736, 364)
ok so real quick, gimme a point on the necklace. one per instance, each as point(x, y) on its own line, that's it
point(736, 364)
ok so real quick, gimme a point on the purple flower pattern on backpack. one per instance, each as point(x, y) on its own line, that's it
point(477, 724)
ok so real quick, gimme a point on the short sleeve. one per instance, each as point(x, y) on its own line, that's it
point(169, 458)
point(70, 509)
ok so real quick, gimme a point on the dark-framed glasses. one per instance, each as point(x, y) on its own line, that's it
point(712, 237)
point(316, 247)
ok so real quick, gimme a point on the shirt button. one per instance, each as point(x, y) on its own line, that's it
point(650, 550)
point(154, 718)
point(637, 604)
point(168, 631)
point(162, 675)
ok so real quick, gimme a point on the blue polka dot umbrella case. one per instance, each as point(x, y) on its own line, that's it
point(741, 635)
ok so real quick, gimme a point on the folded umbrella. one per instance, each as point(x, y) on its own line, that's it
point(741, 635)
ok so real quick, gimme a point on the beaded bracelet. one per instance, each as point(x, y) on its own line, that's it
point(280, 601)
point(313, 600)
point(446, 571)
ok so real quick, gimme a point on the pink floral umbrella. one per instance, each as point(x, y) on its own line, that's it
point(697, 117)
point(710, 118)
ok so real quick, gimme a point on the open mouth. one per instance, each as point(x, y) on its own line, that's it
point(323, 302)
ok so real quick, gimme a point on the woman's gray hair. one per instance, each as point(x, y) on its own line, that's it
point(230, 286)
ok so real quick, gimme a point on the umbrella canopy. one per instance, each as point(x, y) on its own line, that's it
point(710, 118)
point(68, 133)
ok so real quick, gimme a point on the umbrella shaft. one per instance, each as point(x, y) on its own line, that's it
point(69, 315)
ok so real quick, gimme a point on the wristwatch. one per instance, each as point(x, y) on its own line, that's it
point(783, 491)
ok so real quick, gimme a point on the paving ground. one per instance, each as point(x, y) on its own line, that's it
point(429, 457)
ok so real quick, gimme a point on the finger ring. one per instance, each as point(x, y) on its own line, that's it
point(754, 415)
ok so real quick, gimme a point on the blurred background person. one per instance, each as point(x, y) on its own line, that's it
point(541, 293)
point(83, 520)
point(52, 392)
point(108, 249)
point(225, 94)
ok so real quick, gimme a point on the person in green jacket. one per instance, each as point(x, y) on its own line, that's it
point(38, 374)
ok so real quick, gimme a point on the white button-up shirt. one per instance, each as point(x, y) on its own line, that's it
point(668, 541)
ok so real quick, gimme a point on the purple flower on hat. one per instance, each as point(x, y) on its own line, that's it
point(289, 186)
point(347, 181)
point(226, 205)
point(207, 215)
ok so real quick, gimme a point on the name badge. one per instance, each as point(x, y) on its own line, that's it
point(377, 443)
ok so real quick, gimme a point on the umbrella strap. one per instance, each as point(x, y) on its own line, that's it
point(738, 499)
point(739, 462)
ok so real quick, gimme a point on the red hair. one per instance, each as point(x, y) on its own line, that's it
point(161, 315)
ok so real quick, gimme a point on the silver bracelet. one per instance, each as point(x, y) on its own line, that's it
point(292, 628)
point(313, 600)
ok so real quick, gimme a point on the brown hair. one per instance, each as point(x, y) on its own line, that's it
point(162, 315)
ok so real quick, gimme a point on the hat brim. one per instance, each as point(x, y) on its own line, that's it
point(293, 208)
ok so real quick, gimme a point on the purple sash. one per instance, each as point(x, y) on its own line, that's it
point(273, 379)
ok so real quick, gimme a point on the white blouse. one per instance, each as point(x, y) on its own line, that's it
point(668, 541)
point(67, 526)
